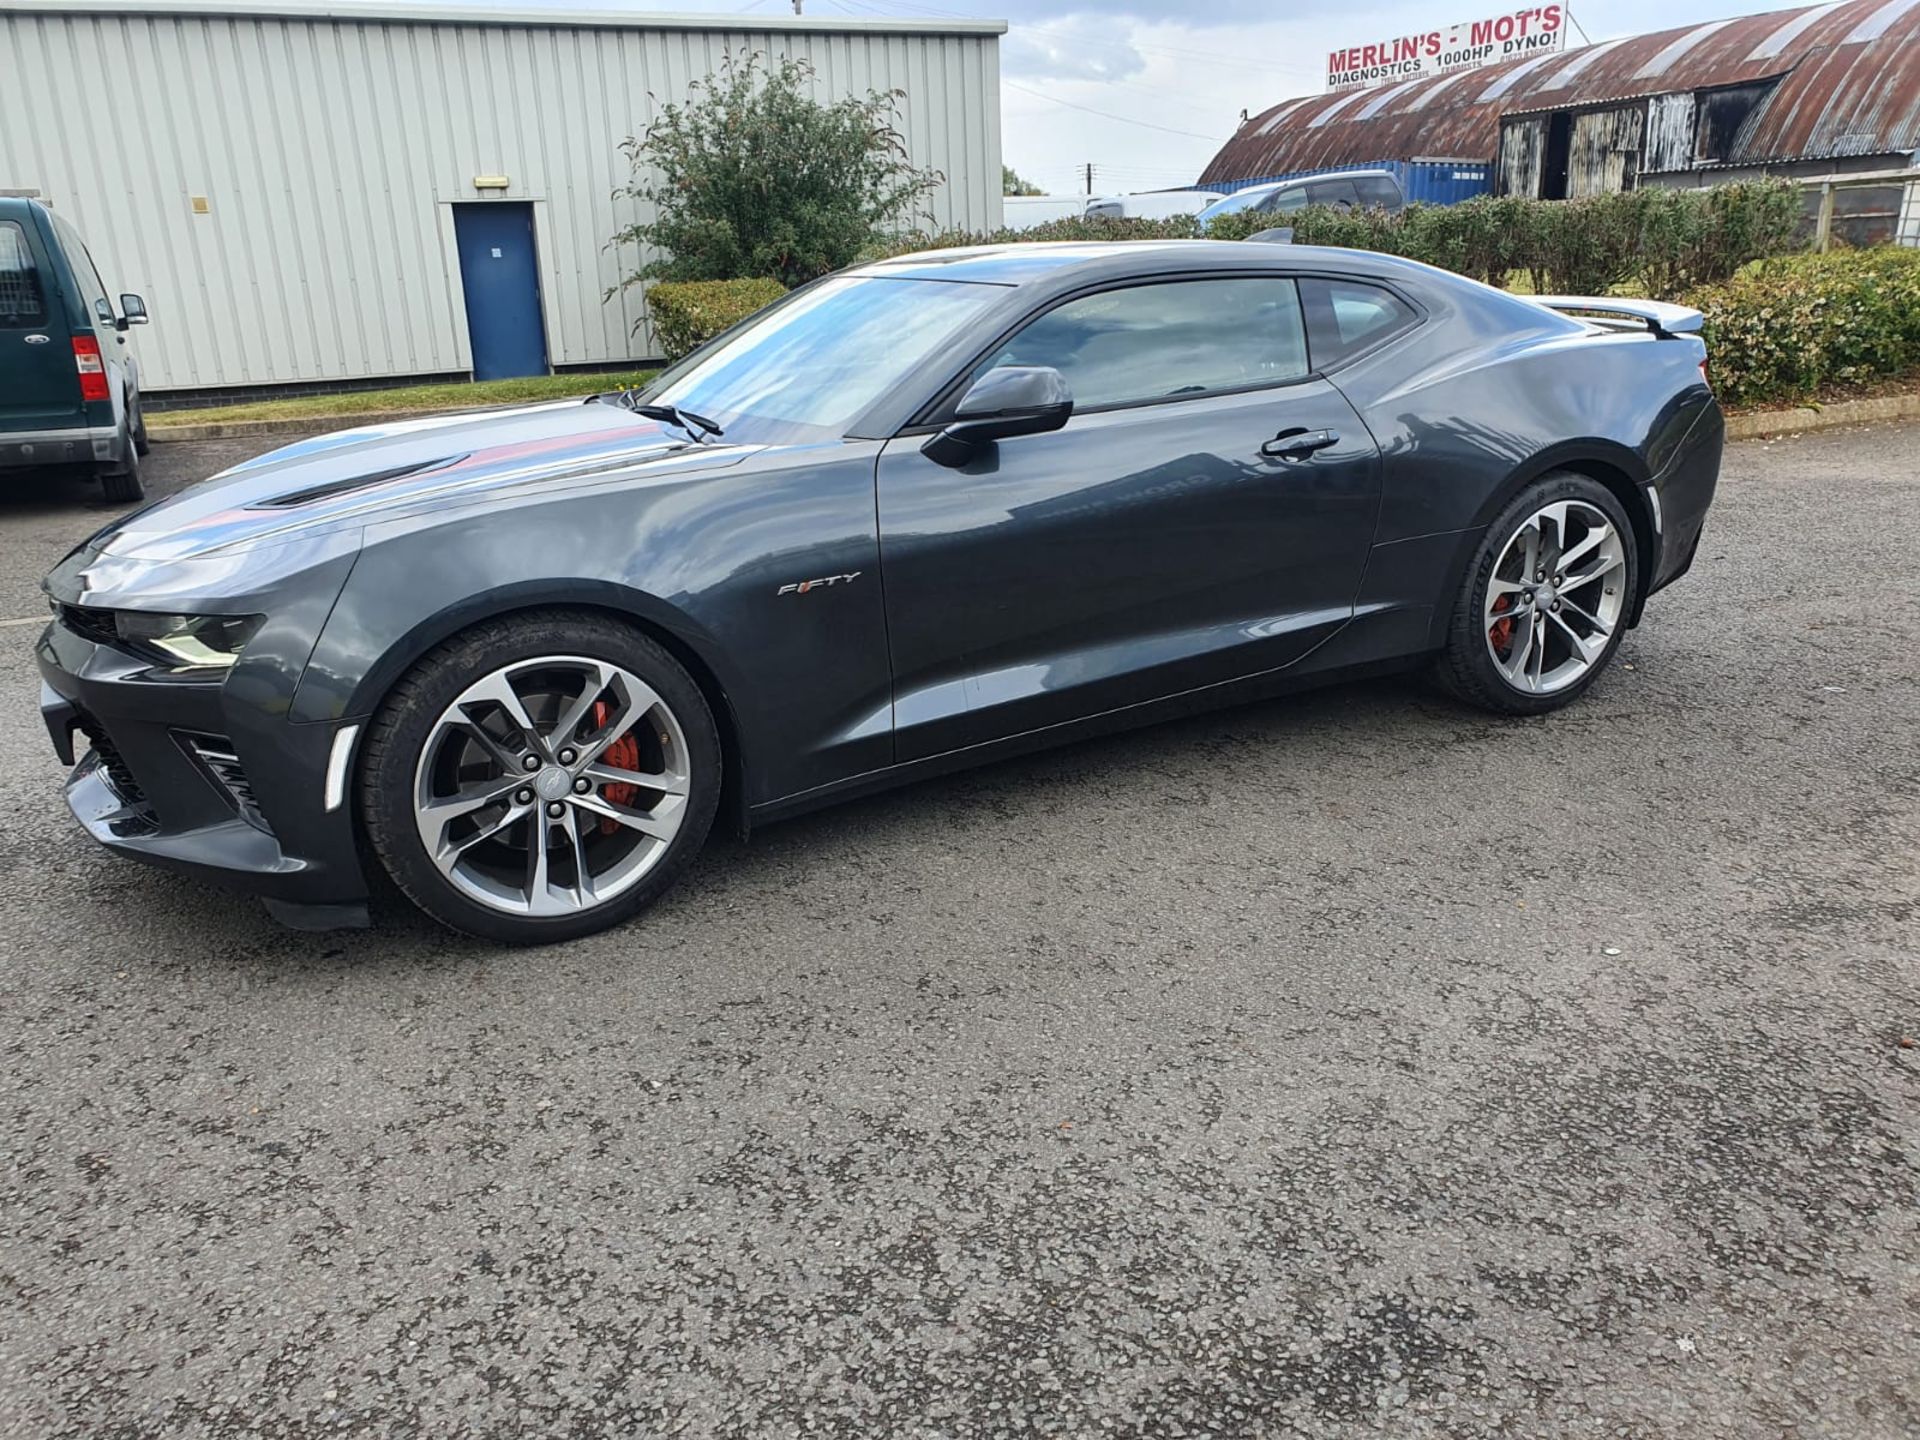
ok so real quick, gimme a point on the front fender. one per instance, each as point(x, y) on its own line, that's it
point(710, 562)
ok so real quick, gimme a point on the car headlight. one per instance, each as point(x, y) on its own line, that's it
point(196, 642)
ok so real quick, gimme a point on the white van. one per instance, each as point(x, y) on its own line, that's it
point(1023, 212)
point(1151, 204)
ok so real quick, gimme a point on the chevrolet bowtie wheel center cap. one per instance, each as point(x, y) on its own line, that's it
point(553, 783)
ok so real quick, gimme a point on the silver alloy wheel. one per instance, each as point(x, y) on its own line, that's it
point(551, 785)
point(1556, 596)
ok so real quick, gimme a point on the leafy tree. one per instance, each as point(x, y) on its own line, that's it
point(750, 176)
point(1013, 183)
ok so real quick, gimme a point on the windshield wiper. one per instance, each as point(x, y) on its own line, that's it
point(698, 426)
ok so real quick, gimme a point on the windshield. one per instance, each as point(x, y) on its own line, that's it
point(1239, 200)
point(807, 367)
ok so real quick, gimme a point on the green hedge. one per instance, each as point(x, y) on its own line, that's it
point(1785, 328)
point(1180, 227)
point(686, 313)
point(1659, 241)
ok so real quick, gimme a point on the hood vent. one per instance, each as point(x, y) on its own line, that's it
point(346, 485)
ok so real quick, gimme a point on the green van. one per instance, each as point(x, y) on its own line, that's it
point(69, 385)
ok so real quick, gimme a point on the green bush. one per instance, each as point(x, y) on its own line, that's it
point(686, 313)
point(1787, 327)
point(750, 175)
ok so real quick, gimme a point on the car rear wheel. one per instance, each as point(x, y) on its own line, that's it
point(141, 443)
point(121, 484)
point(1544, 605)
point(540, 778)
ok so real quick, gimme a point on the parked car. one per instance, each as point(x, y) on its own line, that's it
point(522, 660)
point(1348, 190)
point(1150, 204)
point(69, 382)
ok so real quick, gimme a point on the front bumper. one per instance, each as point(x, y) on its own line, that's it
point(180, 773)
point(91, 445)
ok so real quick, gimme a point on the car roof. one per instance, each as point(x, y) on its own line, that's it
point(1066, 261)
point(1291, 180)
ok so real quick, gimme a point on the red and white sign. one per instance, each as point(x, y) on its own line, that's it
point(1466, 46)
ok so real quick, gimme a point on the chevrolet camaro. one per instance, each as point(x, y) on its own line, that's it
point(917, 515)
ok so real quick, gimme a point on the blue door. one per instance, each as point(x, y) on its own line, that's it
point(503, 290)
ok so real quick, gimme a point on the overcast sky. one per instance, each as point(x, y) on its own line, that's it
point(1169, 79)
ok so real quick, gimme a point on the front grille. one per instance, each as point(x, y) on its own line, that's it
point(222, 764)
point(90, 623)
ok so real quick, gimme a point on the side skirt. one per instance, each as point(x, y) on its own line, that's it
point(1382, 643)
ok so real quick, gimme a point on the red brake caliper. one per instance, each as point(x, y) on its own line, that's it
point(623, 754)
point(1501, 631)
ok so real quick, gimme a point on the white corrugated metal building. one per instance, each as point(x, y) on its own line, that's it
point(292, 187)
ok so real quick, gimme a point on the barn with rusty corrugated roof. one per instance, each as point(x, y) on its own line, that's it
point(1825, 91)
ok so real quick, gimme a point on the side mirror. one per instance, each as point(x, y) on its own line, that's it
point(1006, 401)
point(133, 310)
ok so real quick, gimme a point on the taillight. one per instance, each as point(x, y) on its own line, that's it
point(1705, 378)
point(93, 370)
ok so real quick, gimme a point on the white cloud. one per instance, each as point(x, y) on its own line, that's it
point(1074, 47)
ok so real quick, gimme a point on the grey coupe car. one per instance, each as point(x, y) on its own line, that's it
point(917, 515)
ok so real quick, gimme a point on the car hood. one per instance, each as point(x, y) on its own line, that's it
point(352, 477)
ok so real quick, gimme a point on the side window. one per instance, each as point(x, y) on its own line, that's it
point(1378, 191)
point(1290, 200)
point(1333, 192)
point(1348, 316)
point(92, 289)
point(21, 302)
point(1158, 341)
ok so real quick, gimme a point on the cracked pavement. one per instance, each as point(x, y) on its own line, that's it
point(1349, 1063)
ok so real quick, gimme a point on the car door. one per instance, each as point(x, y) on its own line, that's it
point(38, 391)
point(1204, 515)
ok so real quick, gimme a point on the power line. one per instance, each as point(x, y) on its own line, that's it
point(1108, 115)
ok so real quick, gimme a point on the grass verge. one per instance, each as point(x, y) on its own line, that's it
point(422, 398)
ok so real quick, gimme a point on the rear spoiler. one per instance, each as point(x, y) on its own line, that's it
point(1663, 319)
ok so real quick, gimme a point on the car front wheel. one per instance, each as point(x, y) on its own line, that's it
point(540, 778)
point(1544, 605)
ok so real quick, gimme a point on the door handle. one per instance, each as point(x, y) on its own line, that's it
point(1298, 443)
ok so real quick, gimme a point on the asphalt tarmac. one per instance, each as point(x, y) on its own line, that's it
point(1346, 1065)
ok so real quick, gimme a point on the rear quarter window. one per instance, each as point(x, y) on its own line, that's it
point(1333, 192)
point(1378, 191)
point(1345, 317)
point(22, 303)
point(85, 273)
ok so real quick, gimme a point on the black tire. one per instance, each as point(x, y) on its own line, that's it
point(395, 739)
point(1466, 667)
point(121, 484)
point(141, 444)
